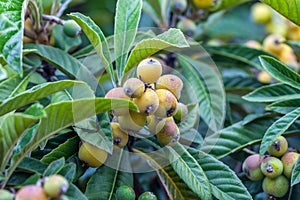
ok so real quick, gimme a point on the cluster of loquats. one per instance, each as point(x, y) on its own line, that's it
point(48, 188)
point(127, 193)
point(188, 24)
point(279, 30)
point(156, 97)
point(275, 169)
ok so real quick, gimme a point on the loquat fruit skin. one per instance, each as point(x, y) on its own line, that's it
point(167, 104)
point(149, 70)
point(204, 4)
point(288, 160)
point(169, 134)
point(31, 192)
point(133, 121)
point(178, 6)
point(187, 26)
point(147, 196)
point(260, 13)
point(125, 193)
point(251, 167)
point(278, 147)
point(5, 195)
point(118, 93)
point(264, 77)
point(170, 82)
point(133, 87)
point(71, 28)
point(92, 155)
point(273, 43)
point(148, 102)
point(181, 113)
point(271, 167)
point(55, 185)
point(155, 124)
point(120, 137)
point(276, 187)
point(253, 44)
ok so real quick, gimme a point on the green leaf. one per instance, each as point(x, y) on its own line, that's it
point(280, 71)
point(236, 137)
point(32, 165)
point(295, 45)
point(64, 114)
point(145, 48)
point(11, 22)
point(224, 182)
point(284, 106)
point(288, 8)
point(158, 10)
point(173, 184)
point(207, 88)
point(54, 167)
point(126, 23)
point(189, 170)
point(66, 150)
point(68, 171)
point(74, 193)
point(12, 127)
point(97, 39)
point(295, 179)
point(62, 60)
point(275, 92)
point(35, 93)
point(108, 179)
point(240, 53)
point(12, 86)
point(278, 128)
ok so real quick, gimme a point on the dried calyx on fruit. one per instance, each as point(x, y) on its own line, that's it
point(148, 102)
point(278, 147)
point(120, 137)
point(271, 167)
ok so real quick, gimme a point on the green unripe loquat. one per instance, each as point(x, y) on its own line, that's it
point(276, 187)
point(71, 28)
point(278, 147)
point(147, 196)
point(149, 70)
point(271, 167)
point(182, 111)
point(125, 193)
point(92, 155)
point(5, 195)
point(148, 102)
point(134, 87)
point(55, 185)
point(288, 160)
point(251, 167)
point(187, 26)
